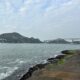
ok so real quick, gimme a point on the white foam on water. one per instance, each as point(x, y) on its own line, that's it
point(16, 61)
point(45, 61)
point(19, 61)
point(8, 72)
point(55, 55)
point(3, 67)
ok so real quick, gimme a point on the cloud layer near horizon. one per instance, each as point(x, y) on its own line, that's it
point(45, 19)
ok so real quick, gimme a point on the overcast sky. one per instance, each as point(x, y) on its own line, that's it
point(44, 19)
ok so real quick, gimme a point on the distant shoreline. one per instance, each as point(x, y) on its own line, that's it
point(15, 37)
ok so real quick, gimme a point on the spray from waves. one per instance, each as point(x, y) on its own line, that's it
point(19, 61)
point(8, 72)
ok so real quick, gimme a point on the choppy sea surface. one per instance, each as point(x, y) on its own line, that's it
point(15, 59)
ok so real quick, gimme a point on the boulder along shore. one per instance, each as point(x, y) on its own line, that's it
point(62, 67)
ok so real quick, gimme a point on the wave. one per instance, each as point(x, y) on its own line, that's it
point(8, 72)
point(19, 61)
point(3, 68)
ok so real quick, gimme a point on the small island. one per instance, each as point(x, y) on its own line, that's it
point(59, 41)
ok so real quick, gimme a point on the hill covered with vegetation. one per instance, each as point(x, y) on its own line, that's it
point(17, 38)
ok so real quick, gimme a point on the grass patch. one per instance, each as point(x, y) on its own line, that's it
point(61, 61)
point(50, 66)
point(71, 52)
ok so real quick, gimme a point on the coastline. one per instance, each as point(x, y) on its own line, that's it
point(59, 59)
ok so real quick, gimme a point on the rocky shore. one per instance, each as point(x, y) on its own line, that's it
point(62, 67)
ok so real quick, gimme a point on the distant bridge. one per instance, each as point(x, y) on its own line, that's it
point(72, 39)
point(67, 39)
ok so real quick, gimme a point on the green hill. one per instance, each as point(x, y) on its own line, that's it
point(17, 38)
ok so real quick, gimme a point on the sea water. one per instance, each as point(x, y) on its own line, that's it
point(15, 59)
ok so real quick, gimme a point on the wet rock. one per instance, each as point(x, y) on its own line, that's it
point(31, 70)
point(40, 66)
point(65, 52)
point(26, 76)
point(60, 56)
point(52, 60)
